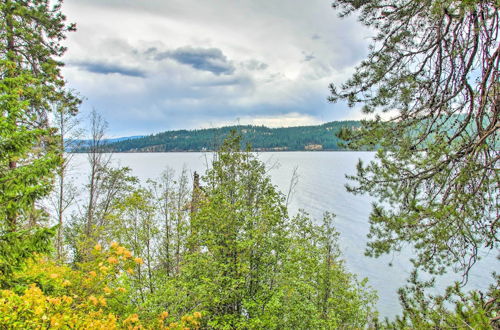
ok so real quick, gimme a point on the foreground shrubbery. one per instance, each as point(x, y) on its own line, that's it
point(227, 250)
point(46, 294)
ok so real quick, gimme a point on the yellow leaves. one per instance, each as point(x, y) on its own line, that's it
point(33, 291)
point(127, 254)
point(54, 301)
point(97, 301)
point(56, 320)
point(111, 317)
point(112, 260)
point(134, 318)
point(33, 309)
point(93, 300)
point(81, 298)
point(38, 310)
point(107, 290)
point(6, 293)
point(67, 300)
point(123, 252)
point(186, 322)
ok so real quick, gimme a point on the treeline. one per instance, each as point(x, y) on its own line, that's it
point(320, 137)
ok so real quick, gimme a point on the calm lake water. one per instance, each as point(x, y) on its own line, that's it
point(320, 188)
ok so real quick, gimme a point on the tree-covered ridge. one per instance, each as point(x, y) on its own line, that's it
point(319, 137)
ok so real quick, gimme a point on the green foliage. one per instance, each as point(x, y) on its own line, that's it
point(30, 81)
point(431, 69)
point(248, 265)
point(93, 295)
point(25, 168)
point(109, 190)
point(431, 79)
point(17, 248)
point(229, 250)
point(473, 310)
point(261, 138)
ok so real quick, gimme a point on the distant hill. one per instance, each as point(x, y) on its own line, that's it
point(80, 145)
point(313, 138)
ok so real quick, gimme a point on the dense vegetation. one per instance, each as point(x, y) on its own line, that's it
point(320, 137)
point(434, 70)
point(223, 253)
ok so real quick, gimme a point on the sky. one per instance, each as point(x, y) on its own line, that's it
point(154, 65)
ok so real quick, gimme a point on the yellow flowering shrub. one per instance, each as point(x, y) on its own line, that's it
point(94, 296)
point(33, 309)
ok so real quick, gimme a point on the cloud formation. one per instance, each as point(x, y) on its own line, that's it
point(205, 59)
point(108, 68)
point(155, 65)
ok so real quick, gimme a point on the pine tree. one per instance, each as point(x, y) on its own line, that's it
point(433, 68)
point(30, 83)
point(30, 36)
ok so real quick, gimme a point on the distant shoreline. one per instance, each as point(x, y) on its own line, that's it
point(212, 151)
point(323, 137)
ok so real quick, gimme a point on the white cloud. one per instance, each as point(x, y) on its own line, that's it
point(284, 120)
point(156, 65)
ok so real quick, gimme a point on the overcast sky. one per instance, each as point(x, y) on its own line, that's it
point(154, 65)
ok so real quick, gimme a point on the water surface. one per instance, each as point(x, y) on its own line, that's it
point(320, 188)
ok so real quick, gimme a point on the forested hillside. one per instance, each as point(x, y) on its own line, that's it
point(320, 137)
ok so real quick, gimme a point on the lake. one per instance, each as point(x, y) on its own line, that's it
point(320, 188)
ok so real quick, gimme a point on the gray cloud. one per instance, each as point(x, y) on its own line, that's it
point(208, 62)
point(108, 68)
point(204, 59)
point(255, 65)
point(309, 57)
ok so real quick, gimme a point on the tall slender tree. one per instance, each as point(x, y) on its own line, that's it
point(30, 43)
point(65, 193)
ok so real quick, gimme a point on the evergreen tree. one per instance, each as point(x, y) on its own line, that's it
point(30, 36)
point(30, 82)
point(433, 67)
